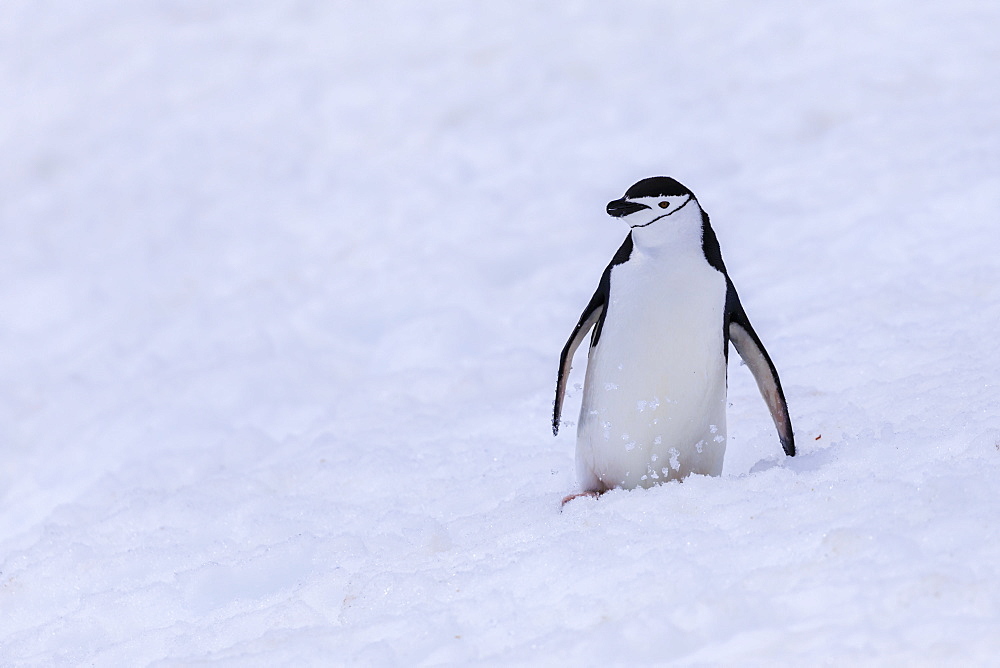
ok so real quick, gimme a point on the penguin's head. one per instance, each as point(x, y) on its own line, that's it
point(650, 200)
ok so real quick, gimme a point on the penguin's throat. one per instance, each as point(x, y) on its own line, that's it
point(674, 234)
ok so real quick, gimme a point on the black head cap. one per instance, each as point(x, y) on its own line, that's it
point(656, 186)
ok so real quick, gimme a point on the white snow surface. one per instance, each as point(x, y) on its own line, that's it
point(283, 286)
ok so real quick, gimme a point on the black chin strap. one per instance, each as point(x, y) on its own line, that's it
point(664, 215)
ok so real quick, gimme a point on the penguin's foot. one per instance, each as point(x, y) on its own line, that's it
point(569, 498)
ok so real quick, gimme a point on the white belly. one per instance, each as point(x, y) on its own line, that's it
point(654, 401)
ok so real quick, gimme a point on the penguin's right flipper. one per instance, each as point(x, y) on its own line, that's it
point(752, 351)
point(588, 319)
point(592, 315)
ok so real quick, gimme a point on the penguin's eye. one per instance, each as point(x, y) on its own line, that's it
point(664, 205)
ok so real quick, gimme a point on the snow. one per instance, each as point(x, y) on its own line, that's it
point(283, 287)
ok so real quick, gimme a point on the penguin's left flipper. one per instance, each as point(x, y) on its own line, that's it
point(752, 351)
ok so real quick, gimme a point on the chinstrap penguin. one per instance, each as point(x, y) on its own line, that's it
point(663, 315)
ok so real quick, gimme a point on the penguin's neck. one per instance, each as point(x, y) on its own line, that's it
point(679, 234)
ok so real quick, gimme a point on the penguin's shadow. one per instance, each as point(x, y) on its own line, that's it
point(801, 463)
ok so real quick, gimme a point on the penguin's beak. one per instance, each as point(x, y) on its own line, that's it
point(622, 207)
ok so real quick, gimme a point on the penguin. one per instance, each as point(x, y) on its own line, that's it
point(660, 323)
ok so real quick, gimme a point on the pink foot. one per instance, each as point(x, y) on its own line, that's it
point(578, 495)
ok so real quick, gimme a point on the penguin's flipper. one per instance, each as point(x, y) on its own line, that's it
point(752, 351)
point(590, 316)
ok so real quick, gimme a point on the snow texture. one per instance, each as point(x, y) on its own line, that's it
point(283, 287)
